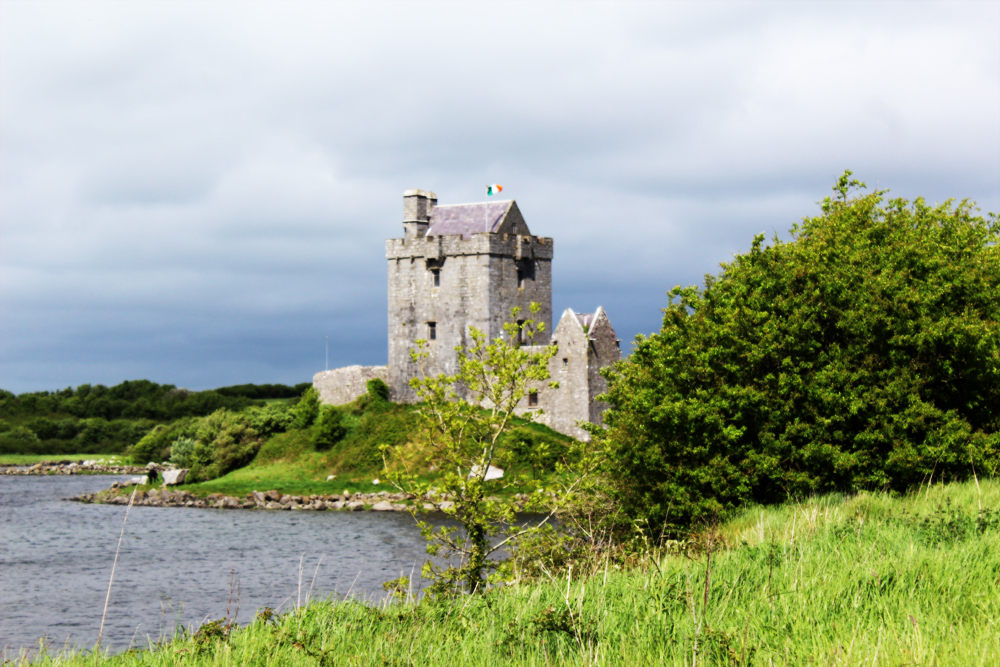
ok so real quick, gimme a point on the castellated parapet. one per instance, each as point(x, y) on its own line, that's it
point(467, 265)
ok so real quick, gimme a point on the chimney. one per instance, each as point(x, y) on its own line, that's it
point(417, 208)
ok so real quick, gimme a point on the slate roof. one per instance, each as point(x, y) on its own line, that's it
point(467, 219)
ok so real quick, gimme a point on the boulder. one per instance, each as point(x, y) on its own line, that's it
point(175, 476)
point(428, 507)
point(271, 505)
point(338, 505)
point(491, 472)
point(230, 503)
point(273, 495)
point(446, 505)
point(383, 506)
point(319, 505)
point(400, 507)
point(259, 498)
point(356, 506)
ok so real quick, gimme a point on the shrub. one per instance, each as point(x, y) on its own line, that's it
point(270, 419)
point(45, 429)
point(329, 429)
point(22, 434)
point(306, 410)
point(378, 389)
point(225, 441)
point(861, 354)
point(182, 452)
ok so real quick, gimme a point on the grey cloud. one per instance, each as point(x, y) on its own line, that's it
point(199, 194)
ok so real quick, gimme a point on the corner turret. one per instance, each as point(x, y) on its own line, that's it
point(417, 209)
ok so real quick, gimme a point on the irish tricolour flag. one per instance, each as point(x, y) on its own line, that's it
point(493, 189)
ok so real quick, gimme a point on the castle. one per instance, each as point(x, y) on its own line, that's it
point(466, 265)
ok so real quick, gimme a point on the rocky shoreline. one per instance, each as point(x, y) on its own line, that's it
point(79, 468)
point(266, 500)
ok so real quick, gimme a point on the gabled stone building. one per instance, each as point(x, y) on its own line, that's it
point(466, 265)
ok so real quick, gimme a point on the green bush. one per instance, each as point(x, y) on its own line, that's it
point(378, 389)
point(225, 441)
point(182, 451)
point(155, 445)
point(329, 428)
point(861, 354)
point(22, 434)
point(306, 410)
point(270, 419)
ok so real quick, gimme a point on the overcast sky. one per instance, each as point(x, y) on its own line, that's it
point(198, 193)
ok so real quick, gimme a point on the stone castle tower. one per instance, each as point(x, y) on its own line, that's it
point(467, 265)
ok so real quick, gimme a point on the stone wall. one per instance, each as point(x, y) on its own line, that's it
point(478, 284)
point(343, 385)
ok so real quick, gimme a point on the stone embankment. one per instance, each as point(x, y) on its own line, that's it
point(80, 468)
point(268, 500)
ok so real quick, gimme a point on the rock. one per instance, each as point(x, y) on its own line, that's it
point(229, 503)
point(139, 480)
point(491, 472)
point(330, 477)
point(446, 505)
point(400, 507)
point(273, 495)
point(271, 505)
point(285, 500)
point(248, 504)
point(175, 476)
point(356, 506)
point(383, 506)
point(319, 505)
point(150, 466)
point(428, 507)
point(339, 505)
point(259, 498)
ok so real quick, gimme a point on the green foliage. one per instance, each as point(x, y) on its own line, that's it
point(263, 391)
point(21, 434)
point(306, 410)
point(225, 441)
point(864, 353)
point(329, 429)
point(378, 389)
point(133, 399)
point(464, 433)
point(155, 445)
point(182, 451)
point(270, 419)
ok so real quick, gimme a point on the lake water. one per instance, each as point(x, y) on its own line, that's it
point(176, 564)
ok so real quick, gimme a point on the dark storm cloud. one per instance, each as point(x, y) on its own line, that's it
point(199, 193)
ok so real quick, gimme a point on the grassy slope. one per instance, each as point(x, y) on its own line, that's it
point(289, 463)
point(865, 580)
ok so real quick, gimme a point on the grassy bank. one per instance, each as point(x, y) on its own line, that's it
point(862, 580)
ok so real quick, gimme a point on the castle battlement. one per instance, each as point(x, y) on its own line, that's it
point(478, 243)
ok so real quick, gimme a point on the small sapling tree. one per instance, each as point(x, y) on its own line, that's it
point(464, 419)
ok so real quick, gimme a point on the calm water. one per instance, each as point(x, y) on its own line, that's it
point(176, 564)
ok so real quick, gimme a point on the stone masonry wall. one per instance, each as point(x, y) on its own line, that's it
point(343, 385)
point(478, 286)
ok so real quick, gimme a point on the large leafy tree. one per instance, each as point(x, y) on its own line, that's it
point(862, 353)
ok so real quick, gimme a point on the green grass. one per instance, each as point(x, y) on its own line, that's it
point(32, 459)
point(834, 580)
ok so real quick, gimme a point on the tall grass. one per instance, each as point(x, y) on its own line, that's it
point(834, 580)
